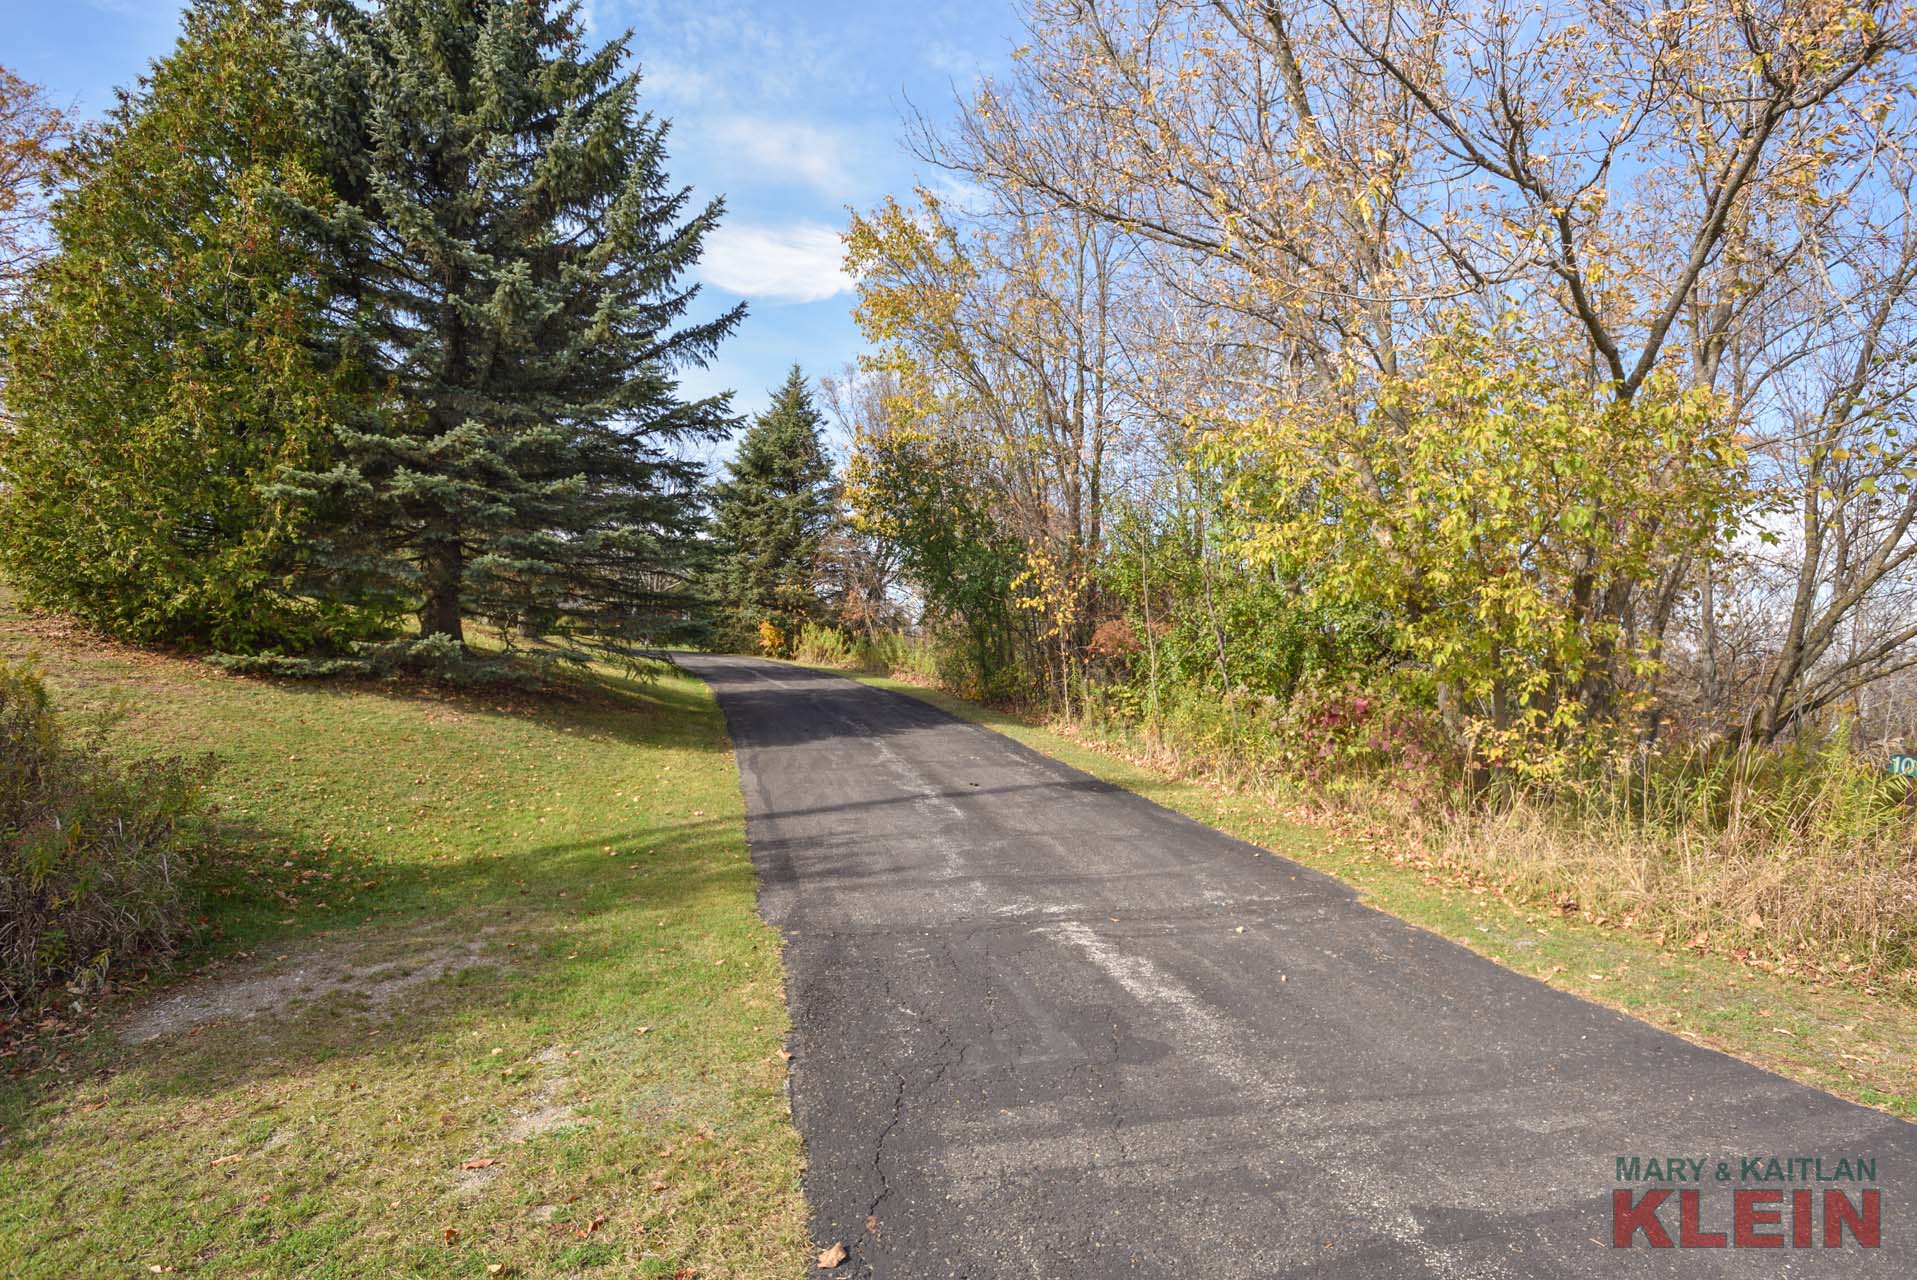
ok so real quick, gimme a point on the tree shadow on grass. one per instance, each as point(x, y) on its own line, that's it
point(440, 942)
point(424, 943)
point(637, 712)
point(89, 671)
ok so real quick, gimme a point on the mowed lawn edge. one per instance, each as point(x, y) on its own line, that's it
point(1829, 1036)
point(481, 984)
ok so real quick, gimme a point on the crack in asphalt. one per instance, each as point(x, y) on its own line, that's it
point(878, 1155)
point(943, 1063)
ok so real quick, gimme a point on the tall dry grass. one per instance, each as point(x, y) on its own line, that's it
point(888, 653)
point(1802, 856)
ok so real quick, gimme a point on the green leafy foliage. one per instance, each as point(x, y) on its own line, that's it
point(95, 852)
point(1326, 736)
point(158, 366)
point(1227, 625)
point(1496, 511)
point(917, 488)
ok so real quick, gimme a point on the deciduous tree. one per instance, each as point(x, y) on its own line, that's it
point(33, 141)
point(998, 334)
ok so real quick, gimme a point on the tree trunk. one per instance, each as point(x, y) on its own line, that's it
point(444, 571)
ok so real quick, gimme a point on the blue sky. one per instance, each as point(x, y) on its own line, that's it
point(789, 108)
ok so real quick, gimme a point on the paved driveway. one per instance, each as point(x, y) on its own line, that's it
point(1046, 1028)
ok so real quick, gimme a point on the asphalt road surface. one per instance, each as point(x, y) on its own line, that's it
point(1044, 1028)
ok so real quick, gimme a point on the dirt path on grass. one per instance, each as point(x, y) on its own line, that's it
point(1046, 1028)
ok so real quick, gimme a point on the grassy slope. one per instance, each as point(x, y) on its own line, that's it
point(544, 918)
point(1835, 1038)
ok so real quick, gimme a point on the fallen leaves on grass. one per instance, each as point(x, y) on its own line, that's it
point(484, 1162)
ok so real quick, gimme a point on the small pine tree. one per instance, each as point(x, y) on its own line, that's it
point(770, 517)
point(508, 261)
point(158, 374)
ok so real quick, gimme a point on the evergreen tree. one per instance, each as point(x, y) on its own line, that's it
point(157, 369)
point(507, 259)
point(771, 516)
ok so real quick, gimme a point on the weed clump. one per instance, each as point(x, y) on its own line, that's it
point(96, 851)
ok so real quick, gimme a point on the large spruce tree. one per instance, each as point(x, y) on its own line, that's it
point(508, 260)
point(771, 515)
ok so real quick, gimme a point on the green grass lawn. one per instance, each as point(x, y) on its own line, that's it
point(1838, 1038)
point(481, 985)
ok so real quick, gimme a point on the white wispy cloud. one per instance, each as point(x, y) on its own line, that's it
point(798, 263)
point(751, 51)
point(679, 82)
point(962, 65)
point(800, 151)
